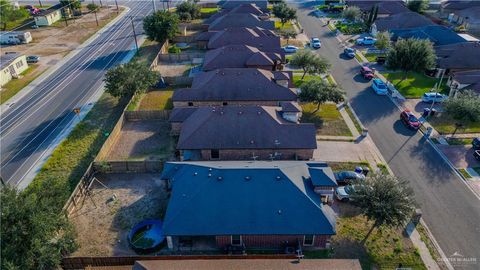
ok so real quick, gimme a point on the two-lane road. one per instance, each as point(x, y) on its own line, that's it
point(30, 126)
point(450, 209)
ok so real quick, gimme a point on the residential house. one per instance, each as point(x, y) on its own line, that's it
point(469, 17)
point(404, 20)
point(453, 6)
point(243, 133)
point(256, 37)
point(437, 34)
point(236, 86)
point(458, 57)
point(249, 20)
point(12, 65)
point(385, 8)
point(48, 16)
point(243, 56)
point(232, 4)
point(244, 8)
point(15, 37)
point(464, 80)
point(252, 204)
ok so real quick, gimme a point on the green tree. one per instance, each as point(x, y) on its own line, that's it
point(188, 7)
point(419, 6)
point(384, 199)
point(93, 8)
point(318, 91)
point(129, 79)
point(383, 40)
point(352, 13)
point(74, 5)
point(464, 109)
point(161, 25)
point(411, 55)
point(372, 16)
point(9, 14)
point(310, 62)
point(284, 12)
point(34, 234)
point(288, 34)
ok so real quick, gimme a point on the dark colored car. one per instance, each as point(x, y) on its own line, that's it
point(346, 177)
point(410, 120)
point(476, 143)
point(367, 73)
point(349, 52)
point(33, 59)
point(381, 60)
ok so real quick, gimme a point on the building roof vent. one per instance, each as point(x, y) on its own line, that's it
point(219, 178)
point(209, 175)
point(278, 178)
point(247, 178)
point(279, 212)
point(195, 174)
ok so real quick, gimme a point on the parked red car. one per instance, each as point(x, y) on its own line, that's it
point(367, 72)
point(410, 120)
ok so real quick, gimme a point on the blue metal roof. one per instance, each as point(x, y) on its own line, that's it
point(244, 198)
point(322, 177)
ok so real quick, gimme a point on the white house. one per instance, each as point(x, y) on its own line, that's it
point(12, 65)
point(48, 16)
point(15, 37)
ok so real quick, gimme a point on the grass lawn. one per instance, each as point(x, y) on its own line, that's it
point(354, 119)
point(15, 85)
point(330, 79)
point(383, 168)
point(415, 85)
point(17, 23)
point(156, 100)
point(444, 124)
point(297, 79)
point(71, 158)
point(385, 248)
point(287, 25)
point(358, 57)
point(332, 27)
point(371, 57)
point(147, 52)
point(347, 166)
point(209, 11)
point(464, 173)
point(354, 28)
point(459, 141)
point(327, 120)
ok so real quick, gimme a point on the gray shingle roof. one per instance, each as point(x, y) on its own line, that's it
point(404, 20)
point(179, 115)
point(231, 4)
point(257, 37)
point(244, 127)
point(463, 55)
point(230, 20)
point(290, 107)
point(459, 4)
point(244, 198)
point(7, 58)
point(236, 84)
point(384, 6)
point(467, 77)
point(240, 56)
point(437, 34)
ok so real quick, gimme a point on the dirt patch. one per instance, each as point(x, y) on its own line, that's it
point(146, 139)
point(174, 69)
point(103, 224)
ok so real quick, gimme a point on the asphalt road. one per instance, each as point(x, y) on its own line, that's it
point(450, 209)
point(30, 126)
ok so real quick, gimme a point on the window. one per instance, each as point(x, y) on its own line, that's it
point(308, 240)
point(190, 104)
point(236, 240)
point(214, 154)
point(225, 103)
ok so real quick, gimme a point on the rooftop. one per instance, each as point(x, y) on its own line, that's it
point(8, 58)
point(437, 34)
point(404, 20)
point(240, 20)
point(257, 37)
point(384, 6)
point(268, 198)
point(463, 55)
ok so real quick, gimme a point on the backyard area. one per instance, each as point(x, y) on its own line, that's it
point(103, 222)
point(327, 119)
point(155, 99)
point(415, 84)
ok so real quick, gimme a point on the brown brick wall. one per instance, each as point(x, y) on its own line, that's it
point(262, 154)
point(272, 241)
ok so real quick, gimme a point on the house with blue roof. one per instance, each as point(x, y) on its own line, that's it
point(437, 34)
point(250, 204)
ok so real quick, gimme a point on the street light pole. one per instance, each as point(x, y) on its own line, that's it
point(154, 7)
point(134, 34)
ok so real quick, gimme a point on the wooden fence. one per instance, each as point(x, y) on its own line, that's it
point(147, 115)
point(163, 50)
point(82, 262)
point(129, 166)
point(179, 57)
point(112, 138)
point(76, 198)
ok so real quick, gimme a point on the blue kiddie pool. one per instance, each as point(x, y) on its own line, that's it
point(146, 236)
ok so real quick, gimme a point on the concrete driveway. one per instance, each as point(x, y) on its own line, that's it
point(460, 155)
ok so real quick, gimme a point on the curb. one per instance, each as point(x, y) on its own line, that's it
point(49, 71)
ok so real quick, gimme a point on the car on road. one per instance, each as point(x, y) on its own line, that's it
point(349, 52)
point(290, 49)
point(476, 143)
point(410, 120)
point(33, 59)
point(367, 72)
point(344, 193)
point(431, 97)
point(346, 177)
point(379, 87)
point(366, 41)
point(315, 43)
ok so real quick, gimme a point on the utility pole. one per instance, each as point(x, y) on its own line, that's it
point(154, 7)
point(134, 34)
point(40, 2)
point(96, 19)
point(116, 3)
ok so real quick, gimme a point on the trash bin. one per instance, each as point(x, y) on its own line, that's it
point(358, 169)
point(426, 112)
point(366, 170)
point(433, 112)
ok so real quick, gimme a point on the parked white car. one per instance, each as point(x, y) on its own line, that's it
point(315, 43)
point(366, 41)
point(433, 97)
point(290, 49)
point(379, 87)
point(344, 193)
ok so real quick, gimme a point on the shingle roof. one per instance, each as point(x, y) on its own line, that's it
point(467, 77)
point(257, 37)
point(459, 56)
point(236, 84)
point(181, 114)
point(290, 107)
point(244, 127)
point(245, 8)
point(240, 20)
point(8, 58)
point(459, 4)
point(231, 4)
point(49, 10)
point(384, 6)
point(244, 198)
point(239, 56)
point(437, 34)
point(404, 20)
